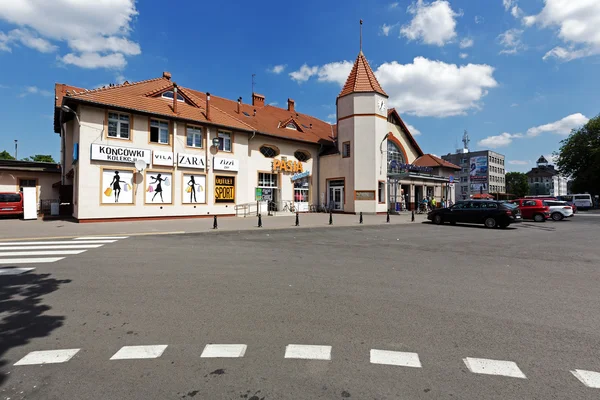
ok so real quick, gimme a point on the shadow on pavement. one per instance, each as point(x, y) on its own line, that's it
point(22, 311)
point(474, 226)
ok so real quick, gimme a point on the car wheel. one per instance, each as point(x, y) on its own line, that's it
point(490, 222)
point(539, 218)
point(557, 216)
point(437, 219)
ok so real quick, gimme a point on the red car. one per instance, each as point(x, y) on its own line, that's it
point(11, 204)
point(533, 209)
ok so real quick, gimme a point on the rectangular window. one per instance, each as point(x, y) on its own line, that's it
point(465, 170)
point(194, 137)
point(267, 180)
point(27, 183)
point(346, 149)
point(224, 141)
point(381, 191)
point(301, 190)
point(159, 132)
point(118, 125)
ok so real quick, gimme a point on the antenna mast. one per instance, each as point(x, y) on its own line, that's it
point(253, 83)
point(361, 22)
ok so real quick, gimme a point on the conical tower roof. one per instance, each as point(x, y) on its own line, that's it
point(361, 78)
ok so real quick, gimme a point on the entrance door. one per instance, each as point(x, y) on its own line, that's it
point(336, 198)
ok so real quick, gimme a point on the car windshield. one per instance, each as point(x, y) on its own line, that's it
point(10, 198)
point(509, 205)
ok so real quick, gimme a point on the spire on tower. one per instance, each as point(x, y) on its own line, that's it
point(361, 22)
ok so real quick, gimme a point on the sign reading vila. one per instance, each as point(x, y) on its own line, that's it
point(190, 161)
point(226, 164)
point(119, 154)
point(162, 158)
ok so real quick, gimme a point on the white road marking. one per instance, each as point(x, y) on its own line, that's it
point(139, 352)
point(55, 247)
point(29, 260)
point(65, 242)
point(47, 357)
point(494, 367)
point(398, 358)
point(224, 351)
point(308, 352)
point(14, 271)
point(101, 237)
point(588, 378)
point(39, 253)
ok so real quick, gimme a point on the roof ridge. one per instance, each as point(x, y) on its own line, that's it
point(105, 88)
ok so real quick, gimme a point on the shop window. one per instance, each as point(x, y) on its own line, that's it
point(346, 149)
point(118, 125)
point(194, 136)
point(159, 132)
point(269, 151)
point(381, 191)
point(302, 156)
point(224, 141)
point(267, 180)
point(301, 190)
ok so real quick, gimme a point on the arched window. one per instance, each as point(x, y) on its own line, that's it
point(291, 125)
point(169, 95)
point(269, 151)
point(394, 157)
point(302, 155)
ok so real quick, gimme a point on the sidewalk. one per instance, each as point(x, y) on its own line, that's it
point(11, 229)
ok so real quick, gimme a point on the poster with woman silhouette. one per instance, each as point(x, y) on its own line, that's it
point(158, 187)
point(194, 189)
point(117, 186)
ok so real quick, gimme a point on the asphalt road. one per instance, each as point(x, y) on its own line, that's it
point(528, 295)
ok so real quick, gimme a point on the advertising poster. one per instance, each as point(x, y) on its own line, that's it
point(117, 186)
point(158, 187)
point(479, 169)
point(224, 189)
point(478, 187)
point(194, 189)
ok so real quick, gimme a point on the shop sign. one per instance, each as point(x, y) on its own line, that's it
point(258, 195)
point(287, 166)
point(267, 194)
point(119, 154)
point(226, 164)
point(162, 158)
point(364, 195)
point(224, 189)
point(409, 167)
point(190, 161)
point(300, 175)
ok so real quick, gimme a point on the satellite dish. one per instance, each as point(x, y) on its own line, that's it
point(140, 165)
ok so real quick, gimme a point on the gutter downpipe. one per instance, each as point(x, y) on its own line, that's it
point(62, 149)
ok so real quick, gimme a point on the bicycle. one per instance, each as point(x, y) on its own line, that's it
point(289, 206)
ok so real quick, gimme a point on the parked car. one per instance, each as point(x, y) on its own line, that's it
point(490, 213)
point(533, 209)
point(559, 210)
point(11, 204)
point(570, 201)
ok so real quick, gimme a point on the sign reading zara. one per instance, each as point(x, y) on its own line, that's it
point(190, 161)
point(119, 154)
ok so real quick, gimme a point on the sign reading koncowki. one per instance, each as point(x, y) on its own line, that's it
point(119, 154)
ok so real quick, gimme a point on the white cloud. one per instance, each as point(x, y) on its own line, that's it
point(277, 69)
point(331, 118)
point(35, 90)
point(273, 103)
point(463, 55)
point(96, 31)
point(511, 41)
point(578, 24)
point(560, 127)
point(501, 140)
point(514, 105)
point(433, 23)
point(466, 43)
point(552, 159)
point(414, 131)
point(393, 5)
point(385, 29)
point(479, 19)
point(519, 162)
point(516, 11)
point(304, 73)
point(507, 4)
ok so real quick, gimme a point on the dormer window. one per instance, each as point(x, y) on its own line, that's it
point(291, 125)
point(169, 95)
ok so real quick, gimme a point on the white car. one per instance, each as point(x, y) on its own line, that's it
point(559, 210)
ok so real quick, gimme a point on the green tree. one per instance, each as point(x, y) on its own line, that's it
point(40, 158)
point(516, 183)
point(579, 157)
point(5, 155)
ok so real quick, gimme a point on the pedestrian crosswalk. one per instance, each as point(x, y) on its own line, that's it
point(47, 251)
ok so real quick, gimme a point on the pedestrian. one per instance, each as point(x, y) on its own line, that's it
point(433, 203)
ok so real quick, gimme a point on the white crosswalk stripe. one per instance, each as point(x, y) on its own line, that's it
point(224, 351)
point(398, 358)
point(47, 357)
point(494, 367)
point(308, 352)
point(14, 271)
point(139, 352)
point(588, 378)
point(40, 251)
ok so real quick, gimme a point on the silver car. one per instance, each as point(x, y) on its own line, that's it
point(559, 210)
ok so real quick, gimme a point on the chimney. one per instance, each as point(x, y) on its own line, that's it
point(258, 100)
point(208, 106)
point(255, 112)
point(291, 105)
point(239, 108)
point(174, 97)
point(310, 126)
point(167, 75)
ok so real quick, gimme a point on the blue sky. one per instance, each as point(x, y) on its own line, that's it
point(517, 74)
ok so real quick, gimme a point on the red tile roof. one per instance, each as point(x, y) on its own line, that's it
point(429, 160)
point(361, 78)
